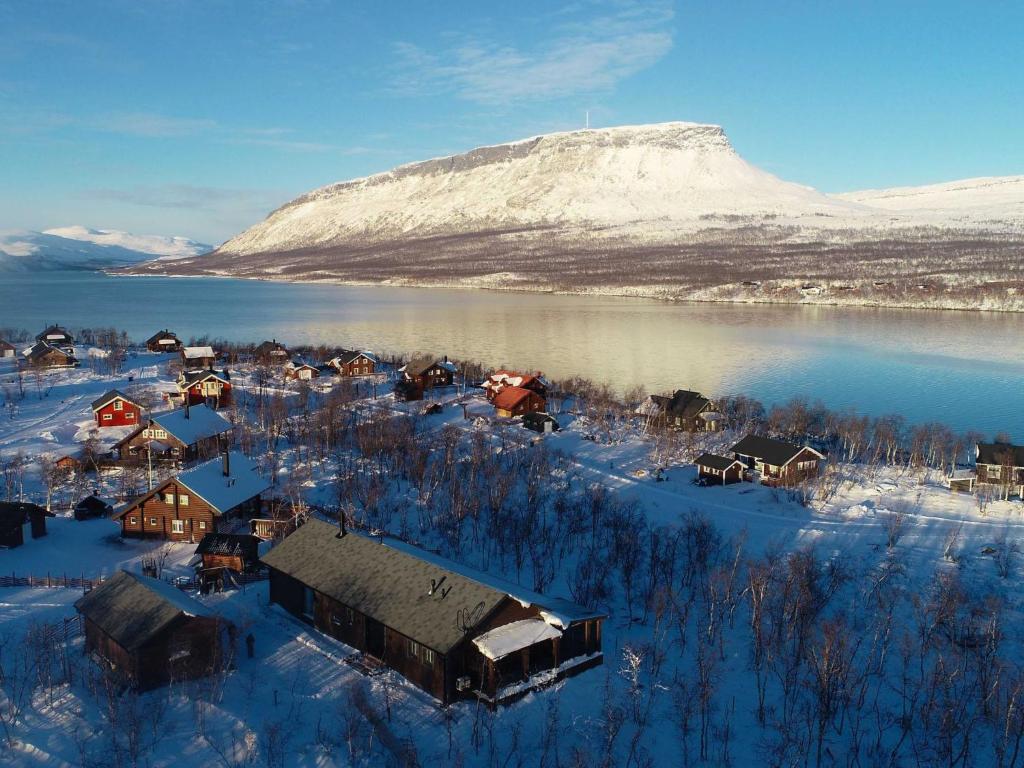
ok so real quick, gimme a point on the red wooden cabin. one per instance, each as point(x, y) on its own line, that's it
point(115, 409)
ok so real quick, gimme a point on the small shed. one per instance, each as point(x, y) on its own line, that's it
point(539, 421)
point(150, 632)
point(92, 506)
point(7, 349)
point(713, 469)
point(14, 516)
point(238, 552)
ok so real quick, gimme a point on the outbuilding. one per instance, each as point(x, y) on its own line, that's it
point(713, 469)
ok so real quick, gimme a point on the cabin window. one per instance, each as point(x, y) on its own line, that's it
point(152, 521)
point(351, 616)
point(177, 526)
point(994, 472)
point(183, 499)
point(118, 405)
point(413, 649)
point(202, 525)
point(168, 498)
point(133, 520)
point(428, 657)
point(108, 416)
point(129, 415)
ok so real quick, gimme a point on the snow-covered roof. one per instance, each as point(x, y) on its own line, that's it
point(196, 353)
point(222, 492)
point(191, 425)
point(509, 638)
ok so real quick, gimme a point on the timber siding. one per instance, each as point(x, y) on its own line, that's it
point(153, 517)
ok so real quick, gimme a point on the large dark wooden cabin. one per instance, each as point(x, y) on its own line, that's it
point(149, 632)
point(450, 630)
point(195, 358)
point(686, 410)
point(428, 372)
point(163, 341)
point(777, 462)
point(353, 363)
point(271, 353)
point(205, 499)
point(44, 355)
point(1001, 465)
point(182, 435)
point(56, 336)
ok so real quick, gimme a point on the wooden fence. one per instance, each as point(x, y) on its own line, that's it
point(64, 581)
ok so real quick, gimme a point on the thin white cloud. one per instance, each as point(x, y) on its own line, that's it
point(580, 56)
point(188, 196)
point(151, 125)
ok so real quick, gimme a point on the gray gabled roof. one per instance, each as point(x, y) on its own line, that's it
point(684, 403)
point(420, 365)
point(771, 451)
point(112, 395)
point(715, 461)
point(134, 609)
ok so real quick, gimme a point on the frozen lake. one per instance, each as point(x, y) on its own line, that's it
point(965, 369)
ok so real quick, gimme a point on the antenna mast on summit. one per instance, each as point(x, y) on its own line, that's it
point(588, 119)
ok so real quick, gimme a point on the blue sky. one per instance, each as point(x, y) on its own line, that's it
point(198, 118)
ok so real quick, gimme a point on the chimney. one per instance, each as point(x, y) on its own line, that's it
point(341, 524)
point(227, 463)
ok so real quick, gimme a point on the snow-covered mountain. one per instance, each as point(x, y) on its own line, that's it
point(998, 199)
point(82, 248)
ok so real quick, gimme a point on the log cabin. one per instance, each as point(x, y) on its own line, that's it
point(450, 630)
point(542, 422)
point(116, 409)
point(15, 516)
point(516, 401)
point(92, 506)
point(164, 341)
point(7, 349)
point(684, 410)
point(194, 358)
point(296, 370)
point(182, 435)
point(150, 633)
point(776, 462)
point(208, 498)
point(1001, 465)
point(713, 469)
point(353, 363)
point(56, 336)
point(427, 372)
point(204, 386)
point(497, 381)
point(238, 552)
point(43, 355)
point(271, 353)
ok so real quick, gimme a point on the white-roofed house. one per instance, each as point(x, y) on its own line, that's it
point(210, 497)
point(191, 433)
point(198, 357)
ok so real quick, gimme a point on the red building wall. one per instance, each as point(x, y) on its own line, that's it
point(129, 415)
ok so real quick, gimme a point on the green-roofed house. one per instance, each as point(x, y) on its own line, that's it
point(451, 630)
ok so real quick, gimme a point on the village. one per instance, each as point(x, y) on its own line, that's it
point(402, 540)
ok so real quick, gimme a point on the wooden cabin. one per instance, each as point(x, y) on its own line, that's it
point(353, 363)
point(427, 372)
point(163, 341)
point(56, 336)
point(15, 516)
point(452, 631)
point(271, 353)
point(238, 552)
point(1001, 465)
point(204, 386)
point(182, 435)
point(516, 401)
point(296, 370)
point(408, 391)
point(499, 380)
point(194, 358)
point(776, 462)
point(713, 469)
point(116, 409)
point(539, 421)
point(201, 500)
point(150, 633)
point(44, 355)
point(92, 506)
point(7, 349)
point(685, 410)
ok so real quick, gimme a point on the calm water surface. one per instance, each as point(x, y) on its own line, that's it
point(962, 368)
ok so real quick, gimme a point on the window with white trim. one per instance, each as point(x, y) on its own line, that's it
point(152, 521)
point(129, 416)
point(118, 405)
point(177, 526)
point(133, 520)
point(428, 656)
point(183, 499)
point(169, 498)
point(108, 416)
point(202, 525)
point(413, 649)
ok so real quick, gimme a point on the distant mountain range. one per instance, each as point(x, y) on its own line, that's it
point(666, 210)
point(79, 247)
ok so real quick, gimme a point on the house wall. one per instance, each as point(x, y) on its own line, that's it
point(988, 477)
point(435, 376)
point(731, 475)
point(161, 660)
point(154, 517)
point(130, 415)
point(361, 366)
point(201, 391)
point(99, 642)
point(530, 404)
point(134, 449)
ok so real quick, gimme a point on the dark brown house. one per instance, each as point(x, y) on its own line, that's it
point(206, 499)
point(43, 355)
point(1001, 465)
point(92, 506)
point(686, 410)
point(718, 470)
point(777, 462)
point(163, 341)
point(150, 633)
point(195, 358)
point(452, 631)
point(182, 435)
point(297, 370)
point(56, 336)
point(7, 349)
point(14, 516)
point(271, 353)
point(427, 372)
point(238, 552)
point(353, 364)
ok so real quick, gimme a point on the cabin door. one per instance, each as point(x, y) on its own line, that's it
point(374, 638)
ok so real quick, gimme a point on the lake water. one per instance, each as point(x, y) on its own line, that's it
point(965, 369)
